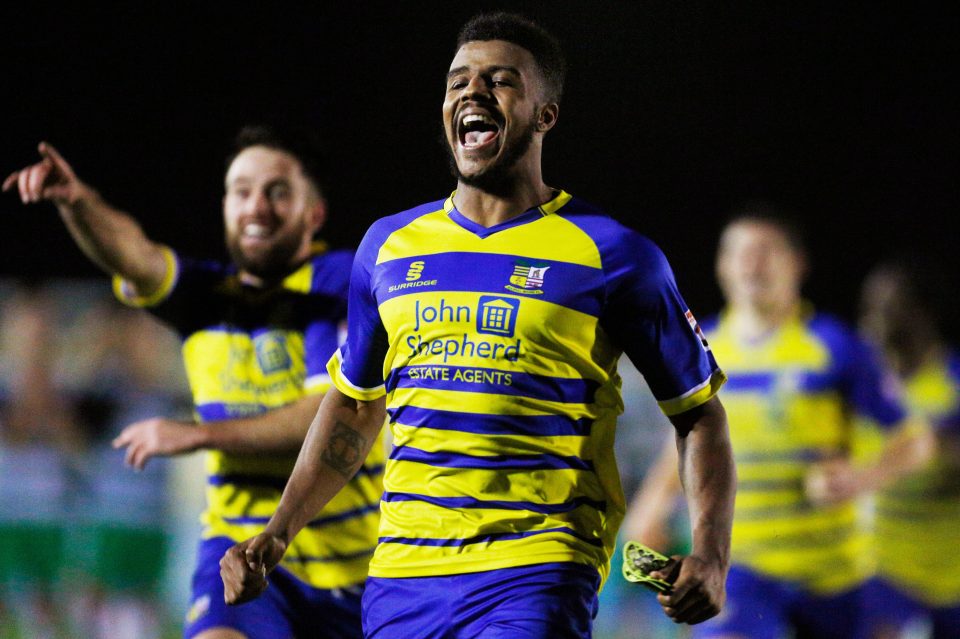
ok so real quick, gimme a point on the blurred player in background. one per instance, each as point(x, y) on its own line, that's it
point(917, 518)
point(488, 325)
point(256, 335)
point(800, 555)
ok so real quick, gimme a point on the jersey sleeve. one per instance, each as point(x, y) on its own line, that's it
point(184, 299)
point(870, 388)
point(320, 339)
point(356, 368)
point(647, 317)
point(322, 336)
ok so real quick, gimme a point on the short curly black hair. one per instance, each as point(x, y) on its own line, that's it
point(523, 32)
point(301, 143)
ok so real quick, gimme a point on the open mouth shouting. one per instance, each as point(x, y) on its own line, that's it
point(477, 131)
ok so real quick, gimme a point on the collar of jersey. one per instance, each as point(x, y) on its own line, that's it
point(545, 209)
point(300, 279)
point(802, 314)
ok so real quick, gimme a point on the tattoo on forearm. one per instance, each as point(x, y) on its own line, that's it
point(344, 450)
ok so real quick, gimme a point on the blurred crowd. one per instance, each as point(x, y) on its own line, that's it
point(85, 543)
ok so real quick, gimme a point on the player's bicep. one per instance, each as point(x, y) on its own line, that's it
point(648, 318)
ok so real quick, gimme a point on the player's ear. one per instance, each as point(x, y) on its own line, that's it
point(547, 116)
point(317, 215)
point(803, 265)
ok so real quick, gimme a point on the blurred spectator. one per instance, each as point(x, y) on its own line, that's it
point(122, 369)
point(82, 546)
point(38, 443)
point(918, 518)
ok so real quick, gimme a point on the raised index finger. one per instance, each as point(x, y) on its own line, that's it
point(46, 150)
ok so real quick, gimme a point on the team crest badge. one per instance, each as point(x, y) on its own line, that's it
point(527, 278)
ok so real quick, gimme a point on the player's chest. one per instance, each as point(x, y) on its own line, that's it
point(225, 354)
point(496, 295)
point(563, 284)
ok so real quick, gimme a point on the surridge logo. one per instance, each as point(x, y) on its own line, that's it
point(413, 278)
point(527, 278)
point(415, 270)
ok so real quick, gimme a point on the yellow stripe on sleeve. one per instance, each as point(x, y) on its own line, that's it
point(695, 396)
point(122, 287)
point(345, 386)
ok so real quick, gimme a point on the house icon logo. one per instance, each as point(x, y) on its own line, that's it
point(497, 315)
point(272, 353)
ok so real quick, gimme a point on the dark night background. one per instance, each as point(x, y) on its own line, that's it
point(674, 113)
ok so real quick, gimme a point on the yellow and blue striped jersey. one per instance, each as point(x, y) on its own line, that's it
point(791, 398)
point(248, 350)
point(918, 518)
point(497, 350)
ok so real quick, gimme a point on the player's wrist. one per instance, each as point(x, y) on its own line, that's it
point(79, 197)
point(203, 437)
point(711, 543)
point(711, 555)
point(279, 533)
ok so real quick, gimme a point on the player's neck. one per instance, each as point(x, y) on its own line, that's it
point(754, 322)
point(489, 209)
point(263, 281)
point(250, 279)
point(909, 357)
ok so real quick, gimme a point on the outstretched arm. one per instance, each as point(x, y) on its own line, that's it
point(279, 430)
point(709, 480)
point(338, 441)
point(110, 238)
